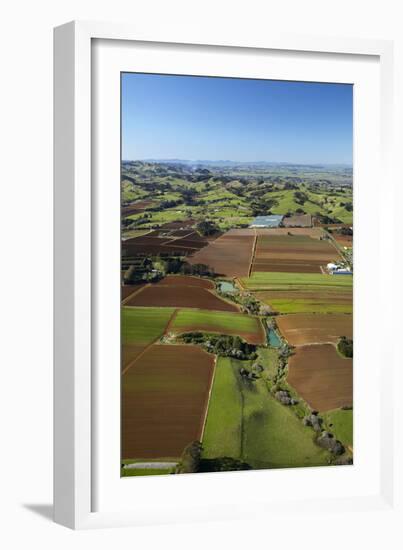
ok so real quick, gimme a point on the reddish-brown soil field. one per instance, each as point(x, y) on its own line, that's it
point(178, 224)
point(164, 401)
point(321, 376)
point(229, 255)
point(298, 220)
point(343, 240)
point(301, 329)
point(136, 207)
point(182, 233)
point(134, 249)
point(180, 296)
point(184, 280)
point(129, 289)
point(130, 352)
point(292, 254)
point(287, 266)
point(314, 232)
point(188, 243)
point(148, 240)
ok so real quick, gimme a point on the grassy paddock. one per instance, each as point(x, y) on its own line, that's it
point(222, 433)
point(220, 322)
point(266, 433)
point(145, 472)
point(142, 325)
point(295, 281)
point(340, 423)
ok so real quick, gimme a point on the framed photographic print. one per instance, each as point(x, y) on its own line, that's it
point(216, 246)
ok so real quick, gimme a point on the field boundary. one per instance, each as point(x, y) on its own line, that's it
point(148, 346)
point(134, 293)
point(171, 320)
point(252, 259)
point(206, 408)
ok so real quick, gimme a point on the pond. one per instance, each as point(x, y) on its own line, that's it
point(227, 286)
point(273, 338)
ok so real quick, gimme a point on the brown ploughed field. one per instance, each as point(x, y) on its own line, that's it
point(186, 280)
point(300, 329)
point(343, 240)
point(321, 376)
point(292, 254)
point(180, 296)
point(136, 207)
point(229, 255)
point(129, 289)
point(130, 352)
point(314, 232)
point(164, 401)
point(182, 242)
point(298, 220)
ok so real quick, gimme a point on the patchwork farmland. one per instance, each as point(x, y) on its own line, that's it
point(236, 331)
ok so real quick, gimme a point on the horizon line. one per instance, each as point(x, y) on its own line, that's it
point(150, 159)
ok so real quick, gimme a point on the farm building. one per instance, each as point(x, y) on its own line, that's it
point(342, 271)
point(267, 221)
point(335, 269)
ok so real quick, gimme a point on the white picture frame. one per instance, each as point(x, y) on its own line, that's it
point(79, 309)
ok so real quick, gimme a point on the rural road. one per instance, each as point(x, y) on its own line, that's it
point(149, 465)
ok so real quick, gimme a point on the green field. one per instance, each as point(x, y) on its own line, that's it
point(267, 433)
point(268, 359)
point(142, 325)
point(291, 304)
point(222, 433)
point(340, 423)
point(302, 292)
point(295, 281)
point(216, 321)
point(144, 472)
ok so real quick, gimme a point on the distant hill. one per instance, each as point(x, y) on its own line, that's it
point(233, 163)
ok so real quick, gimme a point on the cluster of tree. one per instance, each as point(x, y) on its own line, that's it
point(263, 207)
point(324, 219)
point(285, 398)
point(345, 346)
point(223, 464)
point(327, 441)
point(300, 197)
point(152, 269)
point(346, 231)
point(207, 228)
point(250, 304)
point(190, 459)
point(222, 344)
point(248, 375)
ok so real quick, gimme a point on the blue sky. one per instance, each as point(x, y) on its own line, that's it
point(202, 118)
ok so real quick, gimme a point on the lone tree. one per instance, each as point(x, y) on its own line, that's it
point(345, 346)
point(190, 459)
